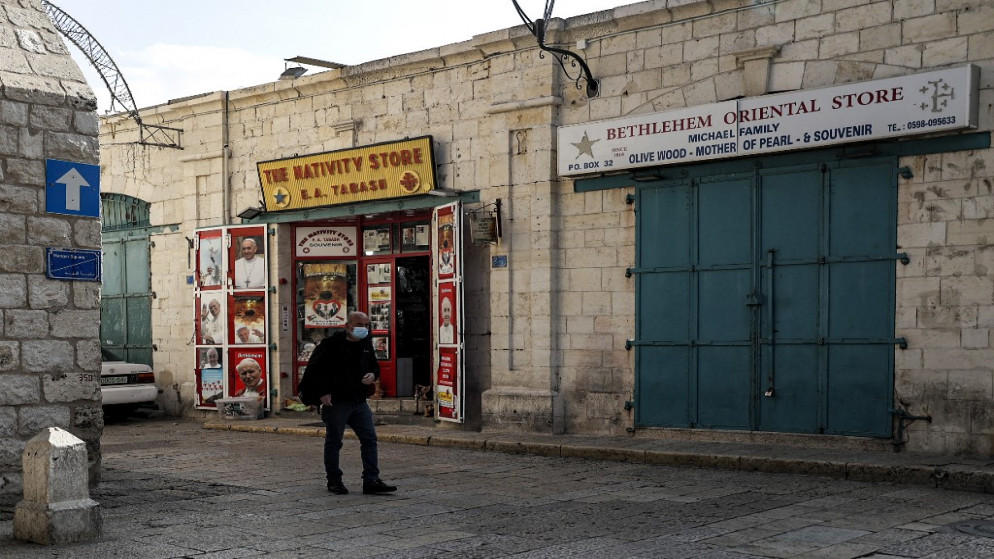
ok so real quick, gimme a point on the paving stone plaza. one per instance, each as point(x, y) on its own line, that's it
point(174, 489)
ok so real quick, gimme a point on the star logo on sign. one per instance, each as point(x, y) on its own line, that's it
point(585, 146)
point(282, 197)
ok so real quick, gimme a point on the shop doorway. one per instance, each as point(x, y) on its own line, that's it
point(413, 281)
point(379, 265)
point(403, 269)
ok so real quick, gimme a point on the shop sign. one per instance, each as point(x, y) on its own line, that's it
point(376, 172)
point(326, 241)
point(483, 228)
point(924, 103)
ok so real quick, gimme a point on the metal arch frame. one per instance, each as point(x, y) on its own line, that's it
point(111, 75)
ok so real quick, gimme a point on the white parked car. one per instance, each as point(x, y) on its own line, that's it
point(125, 386)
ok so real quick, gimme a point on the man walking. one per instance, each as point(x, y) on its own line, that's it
point(340, 376)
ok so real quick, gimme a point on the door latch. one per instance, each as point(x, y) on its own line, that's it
point(754, 300)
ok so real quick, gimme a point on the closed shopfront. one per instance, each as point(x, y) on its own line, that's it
point(766, 298)
point(765, 285)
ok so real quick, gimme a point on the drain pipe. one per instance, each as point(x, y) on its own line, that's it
point(904, 416)
point(225, 153)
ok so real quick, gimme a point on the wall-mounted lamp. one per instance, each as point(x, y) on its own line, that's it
point(443, 192)
point(308, 61)
point(250, 213)
point(293, 72)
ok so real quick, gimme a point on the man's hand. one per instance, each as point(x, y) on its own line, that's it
point(368, 378)
point(326, 400)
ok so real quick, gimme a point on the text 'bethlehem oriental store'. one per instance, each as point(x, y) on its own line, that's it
point(768, 219)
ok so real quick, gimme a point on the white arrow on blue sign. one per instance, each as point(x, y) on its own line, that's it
point(72, 188)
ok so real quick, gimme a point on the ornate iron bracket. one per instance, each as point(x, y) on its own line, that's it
point(563, 56)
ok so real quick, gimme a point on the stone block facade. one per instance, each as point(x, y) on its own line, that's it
point(546, 335)
point(49, 329)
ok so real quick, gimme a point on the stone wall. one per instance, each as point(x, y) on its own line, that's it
point(546, 339)
point(49, 329)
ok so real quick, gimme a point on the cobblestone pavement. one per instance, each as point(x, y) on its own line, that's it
point(174, 489)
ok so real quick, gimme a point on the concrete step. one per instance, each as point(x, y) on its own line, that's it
point(386, 411)
point(400, 411)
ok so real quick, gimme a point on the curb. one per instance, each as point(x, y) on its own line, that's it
point(955, 477)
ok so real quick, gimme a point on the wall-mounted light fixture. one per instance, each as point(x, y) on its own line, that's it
point(537, 28)
point(308, 61)
point(251, 212)
point(443, 193)
point(294, 72)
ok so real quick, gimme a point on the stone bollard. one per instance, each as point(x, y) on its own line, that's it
point(57, 508)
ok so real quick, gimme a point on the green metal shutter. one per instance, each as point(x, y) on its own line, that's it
point(766, 299)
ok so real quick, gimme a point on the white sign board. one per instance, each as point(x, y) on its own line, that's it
point(326, 241)
point(916, 104)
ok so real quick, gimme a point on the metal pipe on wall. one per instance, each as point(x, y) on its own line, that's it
point(225, 154)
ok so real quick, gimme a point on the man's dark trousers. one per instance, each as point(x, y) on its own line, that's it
point(359, 418)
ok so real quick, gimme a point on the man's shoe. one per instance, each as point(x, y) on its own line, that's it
point(338, 488)
point(376, 487)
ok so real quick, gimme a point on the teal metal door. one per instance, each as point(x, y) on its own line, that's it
point(766, 299)
point(126, 294)
point(125, 303)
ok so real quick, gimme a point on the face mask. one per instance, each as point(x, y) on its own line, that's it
point(360, 332)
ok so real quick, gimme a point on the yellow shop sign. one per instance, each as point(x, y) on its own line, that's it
point(376, 172)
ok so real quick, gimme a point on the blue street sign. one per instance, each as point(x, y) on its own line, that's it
point(73, 264)
point(72, 188)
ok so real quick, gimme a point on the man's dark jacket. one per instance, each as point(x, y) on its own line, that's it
point(336, 367)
